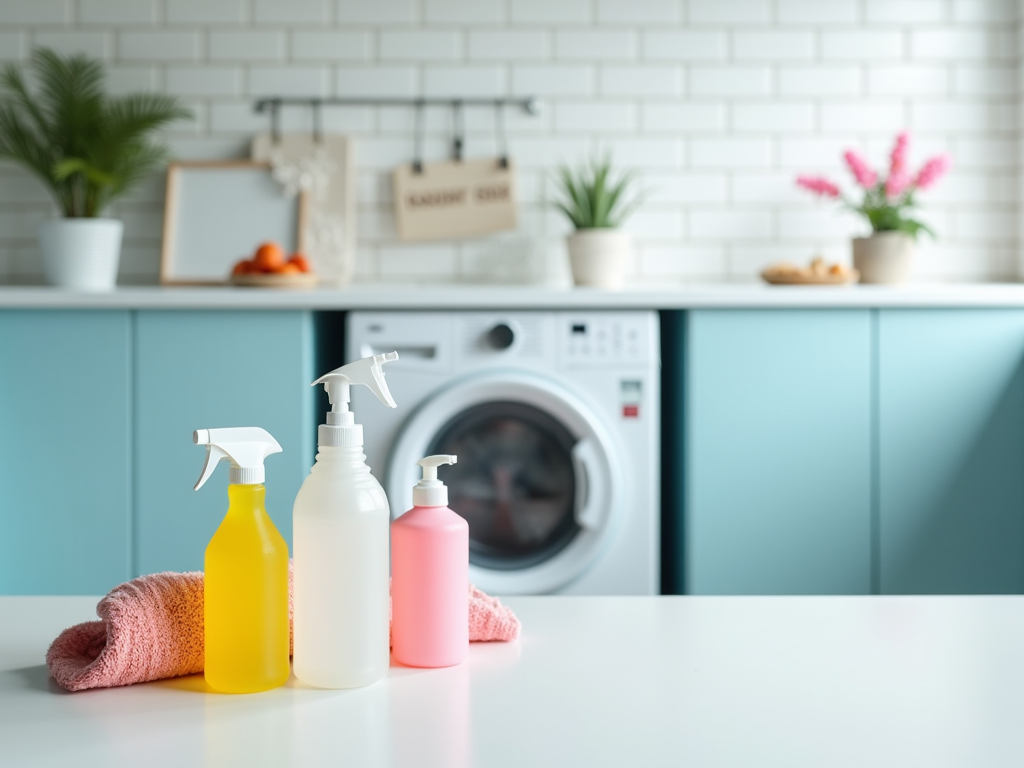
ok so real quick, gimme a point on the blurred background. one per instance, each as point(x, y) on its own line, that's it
point(717, 103)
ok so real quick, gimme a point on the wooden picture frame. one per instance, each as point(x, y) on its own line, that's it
point(217, 212)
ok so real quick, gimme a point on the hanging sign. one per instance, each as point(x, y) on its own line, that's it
point(461, 198)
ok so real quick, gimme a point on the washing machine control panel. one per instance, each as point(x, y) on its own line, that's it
point(603, 339)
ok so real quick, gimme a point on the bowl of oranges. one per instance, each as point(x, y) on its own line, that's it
point(818, 273)
point(269, 267)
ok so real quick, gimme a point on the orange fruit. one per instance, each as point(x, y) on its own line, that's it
point(269, 256)
point(242, 267)
point(289, 268)
point(301, 262)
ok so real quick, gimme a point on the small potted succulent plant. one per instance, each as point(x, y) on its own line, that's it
point(596, 205)
point(886, 255)
point(88, 149)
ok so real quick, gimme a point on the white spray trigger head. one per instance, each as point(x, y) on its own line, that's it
point(368, 371)
point(244, 447)
point(341, 429)
point(429, 491)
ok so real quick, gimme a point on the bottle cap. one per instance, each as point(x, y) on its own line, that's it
point(429, 491)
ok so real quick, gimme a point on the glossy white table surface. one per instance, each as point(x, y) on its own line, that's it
point(682, 681)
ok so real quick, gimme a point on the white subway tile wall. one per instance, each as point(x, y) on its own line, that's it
point(717, 105)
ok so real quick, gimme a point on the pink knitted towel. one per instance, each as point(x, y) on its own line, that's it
point(152, 627)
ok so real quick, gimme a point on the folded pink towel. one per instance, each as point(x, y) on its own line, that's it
point(152, 627)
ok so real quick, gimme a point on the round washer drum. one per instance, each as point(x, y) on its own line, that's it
point(535, 478)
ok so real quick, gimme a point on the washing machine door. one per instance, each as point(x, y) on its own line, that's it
point(536, 477)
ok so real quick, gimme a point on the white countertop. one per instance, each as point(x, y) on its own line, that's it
point(671, 681)
point(446, 296)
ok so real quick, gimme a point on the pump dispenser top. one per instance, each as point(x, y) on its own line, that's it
point(431, 492)
point(245, 447)
point(341, 429)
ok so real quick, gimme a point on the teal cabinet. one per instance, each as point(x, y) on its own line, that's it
point(215, 369)
point(65, 451)
point(951, 451)
point(776, 464)
point(805, 451)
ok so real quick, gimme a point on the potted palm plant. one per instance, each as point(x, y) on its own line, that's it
point(596, 205)
point(88, 149)
point(886, 255)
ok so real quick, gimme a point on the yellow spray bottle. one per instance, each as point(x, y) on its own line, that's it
point(246, 582)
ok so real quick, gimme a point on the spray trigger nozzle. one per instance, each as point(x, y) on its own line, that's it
point(341, 428)
point(244, 447)
point(368, 371)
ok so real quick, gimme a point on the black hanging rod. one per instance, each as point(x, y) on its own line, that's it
point(529, 104)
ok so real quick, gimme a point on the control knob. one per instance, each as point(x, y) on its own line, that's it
point(501, 336)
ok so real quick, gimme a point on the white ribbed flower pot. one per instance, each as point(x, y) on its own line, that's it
point(81, 254)
point(885, 258)
point(599, 257)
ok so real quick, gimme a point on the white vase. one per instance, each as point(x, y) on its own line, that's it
point(599, 257)
point(81, 254)
point(884, 258)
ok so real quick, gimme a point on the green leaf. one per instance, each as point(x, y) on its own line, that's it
point(913, 228)
point(72, 165)
point(617, 211)
point(600, 198)
point(572, 193)
point(19, 97)
point(570, 212)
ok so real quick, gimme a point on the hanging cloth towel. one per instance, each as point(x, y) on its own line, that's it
point(151, 628)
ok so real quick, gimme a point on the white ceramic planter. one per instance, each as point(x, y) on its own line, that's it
point(599, 257)
point(81, 254)
point(884, 258)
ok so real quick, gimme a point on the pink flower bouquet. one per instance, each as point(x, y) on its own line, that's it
point(886, 201)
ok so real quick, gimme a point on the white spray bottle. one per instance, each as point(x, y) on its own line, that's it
point(341, 547)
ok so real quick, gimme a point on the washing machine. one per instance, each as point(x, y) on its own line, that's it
point(554, 417)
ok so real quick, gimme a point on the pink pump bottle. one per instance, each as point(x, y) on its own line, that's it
point(430, 576)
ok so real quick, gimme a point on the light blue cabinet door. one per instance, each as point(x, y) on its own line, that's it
point(778, 455)
point(198, 370)
point(65, 448)
point(951, 451)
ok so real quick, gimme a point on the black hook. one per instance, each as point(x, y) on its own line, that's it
point(275, 121)
point(459, 130)
point(499, 127)
point(318, 125)
point(417, 152)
